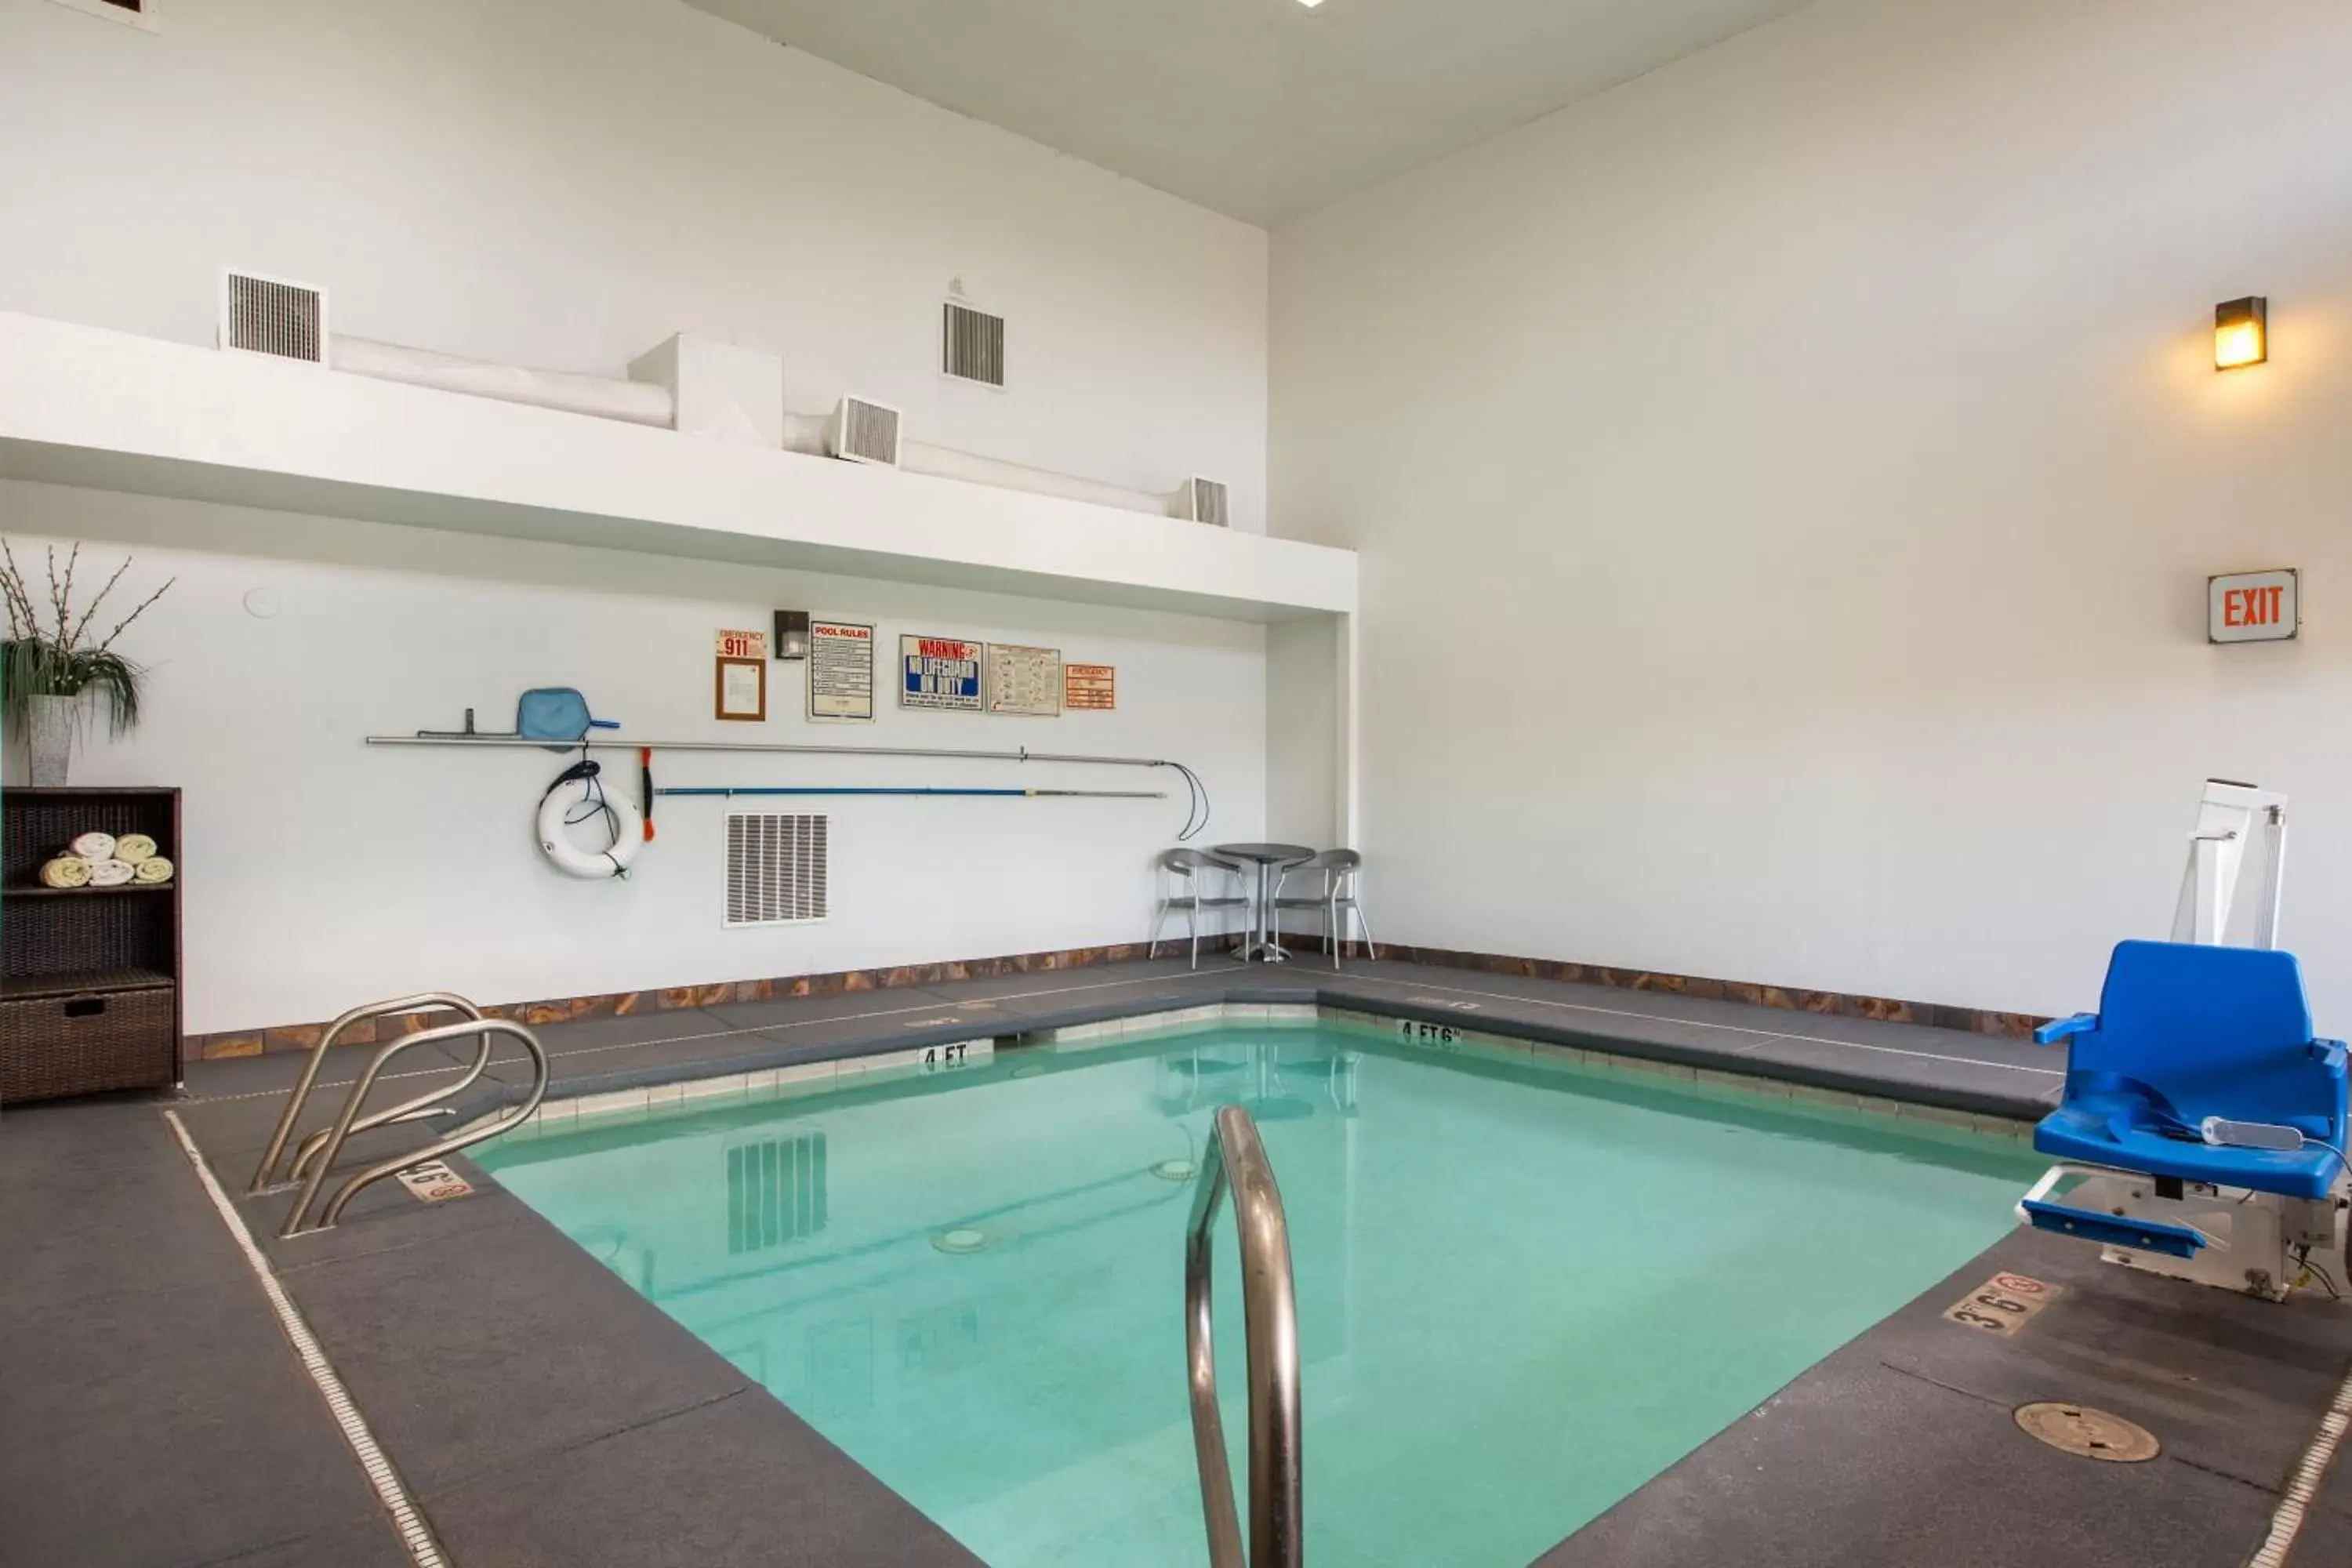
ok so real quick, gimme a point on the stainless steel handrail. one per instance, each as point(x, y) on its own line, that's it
point(1235, 1159)
point(265, 1176)
point(346, 1123)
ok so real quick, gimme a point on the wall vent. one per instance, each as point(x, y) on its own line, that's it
point(775, 1192)
point(273, 316)
point(863, 432)
point(1203, 501)
point(971, 344)
point(776, 869)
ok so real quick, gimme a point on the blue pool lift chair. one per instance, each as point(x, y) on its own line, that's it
point(2197, 1051)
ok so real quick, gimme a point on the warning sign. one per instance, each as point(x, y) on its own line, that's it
point(433, 1183)
point(940, 673)
point(1089, 687)
point(1025, 680)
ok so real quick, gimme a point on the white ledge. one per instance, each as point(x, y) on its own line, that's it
point(79, 406)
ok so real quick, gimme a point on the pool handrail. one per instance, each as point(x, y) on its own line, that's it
point(265, 1176)
point(1235, 1160)
point(465, 1137)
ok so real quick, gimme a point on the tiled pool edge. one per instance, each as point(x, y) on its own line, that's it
point(1420, 1034)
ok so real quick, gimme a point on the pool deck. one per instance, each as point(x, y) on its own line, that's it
point(541, 1412)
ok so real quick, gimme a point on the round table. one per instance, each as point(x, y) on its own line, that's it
point(1261, 947)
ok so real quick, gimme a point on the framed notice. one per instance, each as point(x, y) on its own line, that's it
point(840, 673)
point(741, 688)
point(1025, 680)
point(1089, 687)
point(940, 673)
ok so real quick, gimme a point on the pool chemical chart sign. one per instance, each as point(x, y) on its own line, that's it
point(1025, 680)
point(2253, 606)
point(940, 673)
point(1089, 687)
point(841, 671)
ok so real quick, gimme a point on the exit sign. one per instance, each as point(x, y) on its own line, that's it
point(2253, 607)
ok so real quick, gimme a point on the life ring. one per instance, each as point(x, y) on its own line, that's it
point(554, 812)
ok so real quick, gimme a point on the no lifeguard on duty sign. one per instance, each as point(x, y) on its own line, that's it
point(2253, 607)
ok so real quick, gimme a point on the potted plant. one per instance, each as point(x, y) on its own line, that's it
point(52, 665)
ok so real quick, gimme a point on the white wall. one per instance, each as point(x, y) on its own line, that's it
point(566, 183)
point(321, 872)
point(1786, 486)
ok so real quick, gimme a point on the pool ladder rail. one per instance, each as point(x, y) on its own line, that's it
point(315, 1155)
point(1235, 1162)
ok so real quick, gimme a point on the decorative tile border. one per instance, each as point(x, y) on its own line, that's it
point(1846, 1005)
point(623, 1003)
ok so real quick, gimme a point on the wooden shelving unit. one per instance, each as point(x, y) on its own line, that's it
point(91, 978)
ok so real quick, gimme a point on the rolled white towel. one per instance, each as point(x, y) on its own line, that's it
point(155, 869)
point(95, 845)
point(133, 847)
point(109, 873)
point(65, 871)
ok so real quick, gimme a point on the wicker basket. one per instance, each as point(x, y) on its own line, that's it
point(86, 1042)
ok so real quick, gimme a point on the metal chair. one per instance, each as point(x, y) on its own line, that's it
point(1335, 901)
point(1191, 881)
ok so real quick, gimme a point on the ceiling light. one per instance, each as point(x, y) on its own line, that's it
point(2242, 334)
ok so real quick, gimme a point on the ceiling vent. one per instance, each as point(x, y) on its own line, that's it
point(863, 432)
point(1203, 501)
point(274, 317)
point(776, 870)
point(971, 344)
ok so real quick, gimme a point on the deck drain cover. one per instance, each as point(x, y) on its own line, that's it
point(2093, 1434)
point(1175, 1170)
point(963, 1238)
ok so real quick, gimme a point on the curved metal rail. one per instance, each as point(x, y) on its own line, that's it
point(348, 1121)
point(265, 1176)
point(1235, 1159)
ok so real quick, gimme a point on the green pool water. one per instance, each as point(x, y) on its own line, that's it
point(1524, 1289)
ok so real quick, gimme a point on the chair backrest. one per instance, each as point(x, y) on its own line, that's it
point(2217, 1031)
point(1339, 864)
point(1191, 863)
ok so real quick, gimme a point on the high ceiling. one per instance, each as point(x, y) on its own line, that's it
point(1261, 109)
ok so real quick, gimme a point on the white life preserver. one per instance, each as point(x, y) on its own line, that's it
point(555, 842)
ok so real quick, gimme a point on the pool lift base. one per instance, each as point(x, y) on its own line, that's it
point(2228, 1237)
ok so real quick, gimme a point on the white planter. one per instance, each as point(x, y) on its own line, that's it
point(51, 724)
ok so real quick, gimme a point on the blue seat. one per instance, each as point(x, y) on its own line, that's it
point(2184, 1032)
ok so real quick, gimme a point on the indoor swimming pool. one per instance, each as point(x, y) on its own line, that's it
point(1526, 1284)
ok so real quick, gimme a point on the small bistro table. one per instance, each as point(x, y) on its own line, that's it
point(1261, 948)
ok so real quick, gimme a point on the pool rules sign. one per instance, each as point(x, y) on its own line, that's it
point(2253, 606)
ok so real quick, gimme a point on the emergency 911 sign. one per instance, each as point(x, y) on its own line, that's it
point(2253, 607)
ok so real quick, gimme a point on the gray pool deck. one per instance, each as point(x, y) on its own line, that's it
point(541, 1412)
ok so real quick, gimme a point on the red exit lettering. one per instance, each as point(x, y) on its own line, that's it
point(2252, 606)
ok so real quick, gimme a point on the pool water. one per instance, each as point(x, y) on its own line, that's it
point(1524, 1287)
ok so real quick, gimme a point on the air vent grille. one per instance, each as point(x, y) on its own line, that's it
point(271, 316)
point(776, 869)
point(863, 432)
point(775, 1192)
point(972, 345)
point(1205, 501)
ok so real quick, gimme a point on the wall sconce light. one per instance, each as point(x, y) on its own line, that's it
point(2242, 332)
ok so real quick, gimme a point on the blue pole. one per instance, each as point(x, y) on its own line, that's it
point(870, 789)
